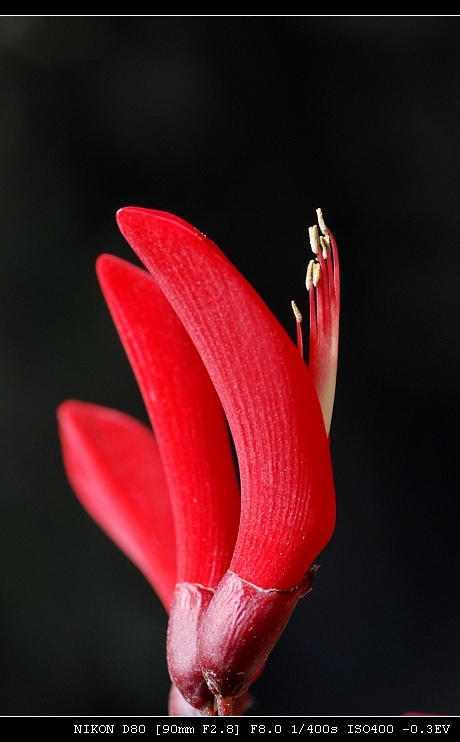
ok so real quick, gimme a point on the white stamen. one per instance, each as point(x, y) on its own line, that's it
point(325, 245)
point(314, 239)
point(313, 274)
point(316, 274)
point(309, 276)
point(321, 222)
point(297, 312)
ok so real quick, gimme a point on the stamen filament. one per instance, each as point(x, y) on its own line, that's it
point(323, 285)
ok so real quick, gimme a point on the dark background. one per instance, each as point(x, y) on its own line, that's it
point(242, 126)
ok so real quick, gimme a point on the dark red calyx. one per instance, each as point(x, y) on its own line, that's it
point(242, 625)
point(188, 608)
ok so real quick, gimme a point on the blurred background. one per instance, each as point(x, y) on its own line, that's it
point(243, 126)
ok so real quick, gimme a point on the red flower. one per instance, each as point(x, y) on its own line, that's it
point(199, 337)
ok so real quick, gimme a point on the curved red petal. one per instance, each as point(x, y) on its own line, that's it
point(191, 431)
point(113, 464)
point(288, 503)
point(187, 418)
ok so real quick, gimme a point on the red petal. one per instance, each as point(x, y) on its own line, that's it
point(113, 464)
point(191, 431)
point(420, 713)
point(288, 504)
point(187, 418)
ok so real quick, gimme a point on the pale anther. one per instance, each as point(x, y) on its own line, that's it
point(314, 239)
point(313, 274)
point(309, 276)
point(297, 312)
point(316, 274)
point(325, 244)
point(321, 222)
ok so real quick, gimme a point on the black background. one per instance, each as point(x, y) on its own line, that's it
point(243, 126)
